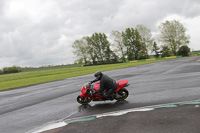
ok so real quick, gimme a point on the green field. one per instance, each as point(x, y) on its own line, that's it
point(52, 68)
point(9, 81)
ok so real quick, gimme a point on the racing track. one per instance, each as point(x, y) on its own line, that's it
point(27, 108)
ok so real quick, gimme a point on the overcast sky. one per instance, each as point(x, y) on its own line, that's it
point(41, 32)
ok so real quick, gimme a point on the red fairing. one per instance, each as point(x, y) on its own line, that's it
point(83, 90)
point(121, 84)
point(82, 95)
point(96, 86)
point(94, 96)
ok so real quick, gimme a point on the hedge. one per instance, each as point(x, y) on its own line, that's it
point(13, 69)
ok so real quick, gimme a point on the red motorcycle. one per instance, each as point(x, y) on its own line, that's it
point(87, 92)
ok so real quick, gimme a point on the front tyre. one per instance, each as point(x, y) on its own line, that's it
point(83, 100)
point(121, 94)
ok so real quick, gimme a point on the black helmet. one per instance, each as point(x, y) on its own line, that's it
point(98, 75)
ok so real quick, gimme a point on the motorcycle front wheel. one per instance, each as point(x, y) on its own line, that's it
point(83, 100)
point(121, 94)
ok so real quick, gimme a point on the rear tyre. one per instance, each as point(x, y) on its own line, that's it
point(83, 100)
point(121, 94)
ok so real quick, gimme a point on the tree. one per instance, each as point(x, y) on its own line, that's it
point(165, 51)
point(172, 34)
point(143, 52)
point(184, 50)
point(132, 42)
point(1, 72)
point(13, 69)
point(81, 49)
point(91, 50)
point(110, 56)
point(100, 48)
point(155, 49)
point(118, 44)
point(79, 61)
point(146, 37)
point(99, 45)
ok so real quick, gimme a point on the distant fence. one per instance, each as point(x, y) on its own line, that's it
point(152, 59)
point(102, 64)
point(171, 57)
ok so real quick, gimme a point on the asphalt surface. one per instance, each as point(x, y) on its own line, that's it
point(27, 108)
point(183, 119)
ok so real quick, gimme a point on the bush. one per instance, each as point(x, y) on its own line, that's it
point(184, 50)
point(165, 51)
point(1, 72)
point(13, 69)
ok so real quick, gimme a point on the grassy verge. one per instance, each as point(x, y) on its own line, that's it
point(10, 81)
point(52, 68)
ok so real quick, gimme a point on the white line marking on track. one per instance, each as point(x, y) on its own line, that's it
point(117, 113)
point(51, 126)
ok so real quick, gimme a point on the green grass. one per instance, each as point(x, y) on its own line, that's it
point(9, 81)
point(52, 68)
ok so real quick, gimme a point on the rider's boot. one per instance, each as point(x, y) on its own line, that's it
point(111, 97)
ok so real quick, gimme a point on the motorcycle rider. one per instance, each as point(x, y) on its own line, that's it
point(105, 83)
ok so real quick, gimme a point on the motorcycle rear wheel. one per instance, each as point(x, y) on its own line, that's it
point(121, 94)
point(83, 100)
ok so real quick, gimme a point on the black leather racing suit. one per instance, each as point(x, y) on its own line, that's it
point(106, 83)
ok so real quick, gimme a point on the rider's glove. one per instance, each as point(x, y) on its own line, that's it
point(89, 83)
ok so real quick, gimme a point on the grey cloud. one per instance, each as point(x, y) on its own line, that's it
point(46, 37)
point(148, 12)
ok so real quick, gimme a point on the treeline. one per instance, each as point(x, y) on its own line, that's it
point(132, 44)
point(13, 69)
